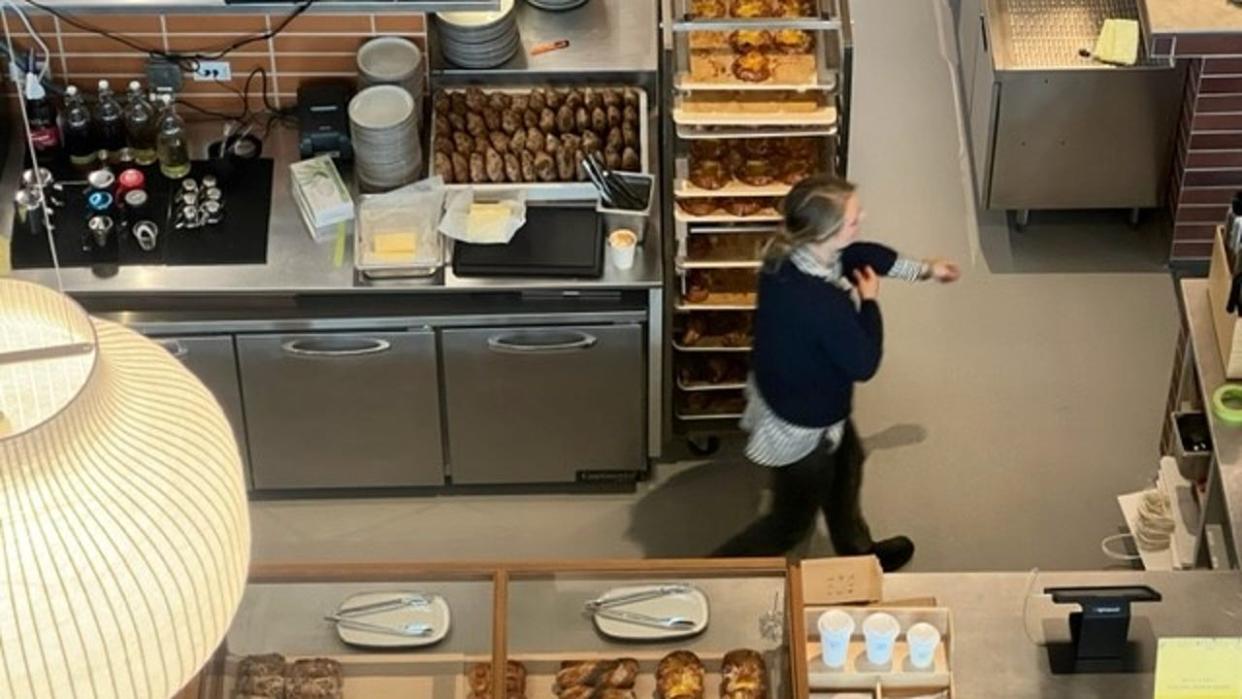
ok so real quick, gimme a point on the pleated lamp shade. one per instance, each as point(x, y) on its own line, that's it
point(124, 533)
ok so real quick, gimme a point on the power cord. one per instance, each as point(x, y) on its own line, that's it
point(188, 61)
point(1153, 530)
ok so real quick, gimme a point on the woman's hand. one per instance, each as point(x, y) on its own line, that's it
point(867, 283)
point(944, 271)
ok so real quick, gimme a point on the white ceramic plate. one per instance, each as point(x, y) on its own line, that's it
point(436, 613)
point(691, 604)
point(477, 19)
point(381, 107)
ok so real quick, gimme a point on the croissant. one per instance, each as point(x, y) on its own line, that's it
point(598, 673)
point(743, 675)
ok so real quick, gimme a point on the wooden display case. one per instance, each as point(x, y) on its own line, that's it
point(531, 613)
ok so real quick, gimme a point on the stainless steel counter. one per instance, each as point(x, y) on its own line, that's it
point(163, 6)
point(995, 658)
point(296, 264)
point(1225, 483)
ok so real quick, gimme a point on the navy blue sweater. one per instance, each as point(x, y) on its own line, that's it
point(812, 343)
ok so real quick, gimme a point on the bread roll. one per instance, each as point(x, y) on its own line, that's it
point(680, 676)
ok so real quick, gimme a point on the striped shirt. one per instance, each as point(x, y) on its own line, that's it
point(777, 442)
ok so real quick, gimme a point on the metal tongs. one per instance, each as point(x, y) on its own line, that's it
point(609, 608)
point(349, 617)
point(640, 596)
point(614, 191)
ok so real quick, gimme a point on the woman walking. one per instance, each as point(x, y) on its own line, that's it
point(813, 342)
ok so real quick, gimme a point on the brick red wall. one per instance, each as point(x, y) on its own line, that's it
point(1207, 169)
point(312, 46)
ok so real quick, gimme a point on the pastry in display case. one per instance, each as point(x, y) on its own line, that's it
point(578, 660)
point(281, 646)
point(292, 636)
point(711, 371)
point(729, 288)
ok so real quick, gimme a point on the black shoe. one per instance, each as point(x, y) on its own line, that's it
point(893, 553)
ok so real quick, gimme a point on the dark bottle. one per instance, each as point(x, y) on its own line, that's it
point(80, 138)
point(41, 114)
point(110, 122)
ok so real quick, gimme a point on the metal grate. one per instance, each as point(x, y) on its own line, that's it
point(1049, 33)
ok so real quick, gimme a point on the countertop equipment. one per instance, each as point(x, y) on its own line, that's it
point(555, 241)
point(323, 120)
point(1051, 129)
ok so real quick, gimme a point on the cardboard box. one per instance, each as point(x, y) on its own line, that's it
point(844, 580)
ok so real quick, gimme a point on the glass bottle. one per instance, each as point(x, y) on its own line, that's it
point(41, 116)
point(80, 137)
point(110, 121)
point(172, 144)
point(141, 125)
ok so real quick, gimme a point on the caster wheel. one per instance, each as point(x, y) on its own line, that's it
point(703, 446)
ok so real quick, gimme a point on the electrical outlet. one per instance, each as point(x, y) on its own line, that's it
point(210, 71)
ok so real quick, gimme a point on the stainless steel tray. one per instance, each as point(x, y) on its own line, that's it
point(554, 191)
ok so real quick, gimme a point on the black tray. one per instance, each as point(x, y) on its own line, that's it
point(556, 241)
point(241, 238)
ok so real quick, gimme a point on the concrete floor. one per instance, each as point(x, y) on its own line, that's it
point(1010, 410)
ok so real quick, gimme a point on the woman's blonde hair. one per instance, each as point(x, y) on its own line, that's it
point(814, 210)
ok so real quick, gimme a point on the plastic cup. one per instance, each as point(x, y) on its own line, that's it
point(622, 243)
point(835, 629)
point(880, 633)
point(923, 638)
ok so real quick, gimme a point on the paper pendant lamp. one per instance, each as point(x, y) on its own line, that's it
point(124, 534)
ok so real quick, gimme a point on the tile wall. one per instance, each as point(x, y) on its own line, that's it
point(313, 46)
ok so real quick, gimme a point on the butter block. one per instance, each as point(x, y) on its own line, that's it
point(1118, 42)
point(406, 243)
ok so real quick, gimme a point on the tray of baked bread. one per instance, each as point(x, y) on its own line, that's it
point(747, 167)
point(646, 674)
point(718, 289)
point(347, 676)
point(724, 251)
point(718, 372)
point(755, 45)
point(693, 406)
point(715, 210)
point(536, 138)
point(749, 109)
point(713, 332)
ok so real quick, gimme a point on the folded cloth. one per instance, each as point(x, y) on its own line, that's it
point(1118, 42)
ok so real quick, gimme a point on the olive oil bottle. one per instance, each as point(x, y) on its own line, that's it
point(172, 144)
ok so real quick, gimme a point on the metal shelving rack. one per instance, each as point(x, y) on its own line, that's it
point(828, 124)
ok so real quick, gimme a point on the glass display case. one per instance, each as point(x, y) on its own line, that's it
point(399, 631)
point(687, 629)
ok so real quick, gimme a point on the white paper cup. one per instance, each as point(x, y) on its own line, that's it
point(622, 244)
point(880, 633)
point(923, 639)
point(835, 629)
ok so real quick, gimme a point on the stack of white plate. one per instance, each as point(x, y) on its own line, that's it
point(392, 60)
point(479, 39)
point(384, 129)
point(556, 5)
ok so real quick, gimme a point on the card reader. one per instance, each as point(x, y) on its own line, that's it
point(323, 120)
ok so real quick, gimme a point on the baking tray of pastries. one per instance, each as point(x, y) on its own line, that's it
point(710, 405)
point(713, 331)
point(712, 372)
point(747, 167)
point(711, 210)
point(748, 108)
point(535, 139)
point(724, 250)
point(722, 289)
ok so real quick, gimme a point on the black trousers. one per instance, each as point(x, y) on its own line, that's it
point(820, 481)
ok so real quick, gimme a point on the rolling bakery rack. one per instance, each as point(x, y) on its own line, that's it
point(759, 97)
